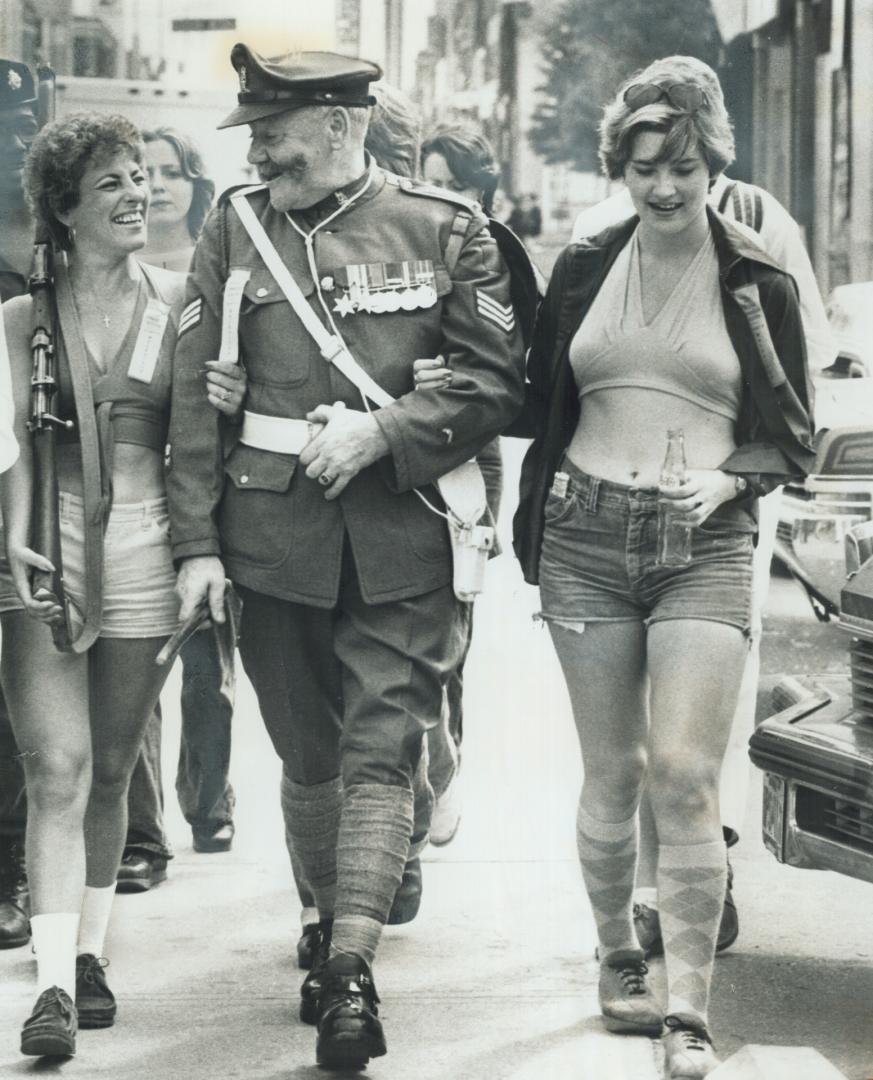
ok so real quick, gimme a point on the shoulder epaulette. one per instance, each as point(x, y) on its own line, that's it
point(226, 195)
point(428, 191)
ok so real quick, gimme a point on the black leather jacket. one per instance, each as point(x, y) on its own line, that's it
point(774, 427)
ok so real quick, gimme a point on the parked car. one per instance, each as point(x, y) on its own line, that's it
point(816, 752)
point(816, 517)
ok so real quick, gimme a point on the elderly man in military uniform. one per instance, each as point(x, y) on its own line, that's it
point(17, 129)
point(321, 506)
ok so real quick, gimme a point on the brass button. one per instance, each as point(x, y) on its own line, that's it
point(262, 291)
point(244, 479)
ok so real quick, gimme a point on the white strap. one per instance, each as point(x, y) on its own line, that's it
point(462, 489)
point(279, 434)
point(330, 346)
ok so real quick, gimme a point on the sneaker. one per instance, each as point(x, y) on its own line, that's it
point(95, 1002)
point(50, 1030)
point(626, 1001)
point(688, 1050)
point(311, 987)
point(349, 1031)
point(446, 815)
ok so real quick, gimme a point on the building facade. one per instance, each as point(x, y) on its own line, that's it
point(808, 103)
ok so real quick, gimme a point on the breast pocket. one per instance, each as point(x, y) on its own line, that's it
point(275, 350)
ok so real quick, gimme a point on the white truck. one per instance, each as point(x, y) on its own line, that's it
point(196, 112)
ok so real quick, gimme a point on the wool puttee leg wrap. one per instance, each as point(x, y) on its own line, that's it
point(312, 819)
point(371, 853)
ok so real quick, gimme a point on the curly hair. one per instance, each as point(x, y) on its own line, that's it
point(59, 156)
point(191, 164)
point(394, 131)
point(708, 127)
point(469, 156)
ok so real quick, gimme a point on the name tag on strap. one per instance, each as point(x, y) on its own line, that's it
point(148, 341)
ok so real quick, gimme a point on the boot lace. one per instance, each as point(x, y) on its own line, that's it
point(633, 976)
point(693, 1032)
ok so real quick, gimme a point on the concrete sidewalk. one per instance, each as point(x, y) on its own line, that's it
point(495, 980)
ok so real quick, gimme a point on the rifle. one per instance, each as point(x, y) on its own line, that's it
point(43, 424)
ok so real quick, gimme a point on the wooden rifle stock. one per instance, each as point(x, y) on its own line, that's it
point(43, 424)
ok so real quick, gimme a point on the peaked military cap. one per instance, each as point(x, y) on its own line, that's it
point(16, 84)
point(270, 86)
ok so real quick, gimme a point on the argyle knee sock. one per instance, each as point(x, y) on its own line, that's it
point(691, 887)
point(312, 818)
point(371, 852)
point(608, 854)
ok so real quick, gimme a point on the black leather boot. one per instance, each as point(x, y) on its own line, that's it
point(14, 895)
point(349, 1031)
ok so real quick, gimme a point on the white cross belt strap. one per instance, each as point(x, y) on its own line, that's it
point(276, 433)
point(462, 489)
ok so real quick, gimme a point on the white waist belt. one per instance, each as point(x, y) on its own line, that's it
point(276, 433)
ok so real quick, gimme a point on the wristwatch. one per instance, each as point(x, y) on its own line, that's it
point(741, 485)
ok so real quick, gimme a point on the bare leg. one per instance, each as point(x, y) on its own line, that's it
point(604, 666)
point(695, 668)
point(47, 694)
point(125, 684)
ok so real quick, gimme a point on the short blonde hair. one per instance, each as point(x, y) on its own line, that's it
point(707, 127)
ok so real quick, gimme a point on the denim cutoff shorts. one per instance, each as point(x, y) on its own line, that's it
point(598, 561)
point(139, 580)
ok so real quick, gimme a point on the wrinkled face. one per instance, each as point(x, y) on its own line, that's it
point(113, 203)
point(668, 195)
point(435, 170)
point(292, 154)
point(17, 131)
point(171, 190)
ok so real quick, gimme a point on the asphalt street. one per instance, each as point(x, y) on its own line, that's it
point(496, 978)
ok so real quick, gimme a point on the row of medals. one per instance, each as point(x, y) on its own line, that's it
point(376, 302)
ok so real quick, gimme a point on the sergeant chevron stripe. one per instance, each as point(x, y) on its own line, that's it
point(191, 315)
point(489, 308)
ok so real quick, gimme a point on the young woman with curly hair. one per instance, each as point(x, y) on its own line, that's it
point(79, 715)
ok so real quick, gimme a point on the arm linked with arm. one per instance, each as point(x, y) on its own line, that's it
point(430, 434)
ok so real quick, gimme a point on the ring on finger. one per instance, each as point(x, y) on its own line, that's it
point(326, 480)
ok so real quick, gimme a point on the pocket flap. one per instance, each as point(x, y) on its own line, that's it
point(260, 470)
point(262, 287)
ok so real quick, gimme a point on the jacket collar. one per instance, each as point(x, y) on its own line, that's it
point(732, 244)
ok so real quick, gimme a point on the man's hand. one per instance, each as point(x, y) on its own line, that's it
point(348, 442)
point(200, 582)
point(226, 386)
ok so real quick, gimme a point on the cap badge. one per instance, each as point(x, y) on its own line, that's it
point(243, 79)
point(14, 80)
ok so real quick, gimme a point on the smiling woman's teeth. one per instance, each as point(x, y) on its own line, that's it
point(128, 219)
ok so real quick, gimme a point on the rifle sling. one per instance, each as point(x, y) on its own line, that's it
point(92, 473)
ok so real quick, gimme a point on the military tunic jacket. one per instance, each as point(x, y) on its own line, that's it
point(257, 509)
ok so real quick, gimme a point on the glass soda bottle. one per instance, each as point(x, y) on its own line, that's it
point(674, 538)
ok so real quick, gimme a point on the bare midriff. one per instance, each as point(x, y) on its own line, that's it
point(622, 434)
point(137, 474)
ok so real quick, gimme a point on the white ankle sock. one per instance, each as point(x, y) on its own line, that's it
point(647, 895)
point(54, 942)
point(96, 909)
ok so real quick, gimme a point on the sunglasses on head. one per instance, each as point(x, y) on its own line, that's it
point(680, 95)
